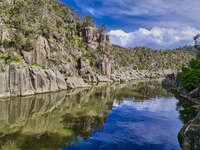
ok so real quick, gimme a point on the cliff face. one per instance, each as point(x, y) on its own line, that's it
point(45, 47)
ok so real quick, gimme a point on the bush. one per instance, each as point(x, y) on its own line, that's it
point(189, 78)
point(9, 59)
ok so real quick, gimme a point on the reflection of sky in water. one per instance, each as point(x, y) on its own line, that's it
point(148, 125)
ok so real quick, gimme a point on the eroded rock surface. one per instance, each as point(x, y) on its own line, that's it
point(76, 82)
point(189, 136)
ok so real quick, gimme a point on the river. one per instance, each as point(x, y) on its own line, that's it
point(135, 116)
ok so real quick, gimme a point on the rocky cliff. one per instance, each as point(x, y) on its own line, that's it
point(45, 47)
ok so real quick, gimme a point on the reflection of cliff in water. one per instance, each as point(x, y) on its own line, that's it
point(50, 121)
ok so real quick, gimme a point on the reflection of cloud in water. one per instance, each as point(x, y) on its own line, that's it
point(154, 105)
point(149, 122)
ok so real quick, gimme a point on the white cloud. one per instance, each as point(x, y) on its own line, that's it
point(152, 23)
point(157, 37)
point(173, 13)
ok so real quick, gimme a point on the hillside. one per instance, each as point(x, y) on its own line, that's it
point(44, 46)
point(144, 57)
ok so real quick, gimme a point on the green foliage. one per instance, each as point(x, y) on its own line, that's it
point(9, 59)
point(189, 78)
point(143, 57)
point(11, 44)
point(62, 71)
point(68, 28)
point(81, 44)
point(91, 57)
point(1, 43)
point(71, 39)
point(39, 65)
point(2, 70)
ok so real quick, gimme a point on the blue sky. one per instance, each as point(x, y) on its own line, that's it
point(159, 24)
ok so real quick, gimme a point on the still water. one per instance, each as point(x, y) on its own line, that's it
point(138, 116)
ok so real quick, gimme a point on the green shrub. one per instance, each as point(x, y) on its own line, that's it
point(71, 39)
point(189, 78)
point(91, 57)
point(9, 59)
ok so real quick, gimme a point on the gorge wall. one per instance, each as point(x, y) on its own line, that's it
point(45, 47)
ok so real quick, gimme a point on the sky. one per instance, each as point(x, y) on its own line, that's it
point(158, 24)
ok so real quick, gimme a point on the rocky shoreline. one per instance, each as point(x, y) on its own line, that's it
point(171, 83)
point(20, 79)
point(189, 135)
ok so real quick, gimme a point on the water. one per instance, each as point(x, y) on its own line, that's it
point(138, 116)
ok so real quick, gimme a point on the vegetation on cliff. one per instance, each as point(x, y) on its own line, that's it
point(144, 58)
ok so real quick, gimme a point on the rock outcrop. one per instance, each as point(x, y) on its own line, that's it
point(105, 65)
point(41, 52)
point(95, 39)
point(19, 79)
point(190, 134)
point(75, 82)
point(4, 36)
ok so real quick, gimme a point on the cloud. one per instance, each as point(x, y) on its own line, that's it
point(170, 13)
point(153, 23)
point(157, 37)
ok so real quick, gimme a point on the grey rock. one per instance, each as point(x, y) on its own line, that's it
point(43, 80)
point(189, 136)
point(4, 82)
point(60, 81)
point(41, 53)
point(76, 82)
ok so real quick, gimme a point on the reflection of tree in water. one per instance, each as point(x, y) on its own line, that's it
point(186, 110)
point(92, 115)
point(83, 126)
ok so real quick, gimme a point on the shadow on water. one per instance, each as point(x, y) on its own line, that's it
point(51, 121)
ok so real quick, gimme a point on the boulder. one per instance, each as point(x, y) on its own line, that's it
point(28, 57)
point(76, 82)
point(60, 81)
point(52, 79)
point(90, 77)
point(190, 134)
point(101, 78)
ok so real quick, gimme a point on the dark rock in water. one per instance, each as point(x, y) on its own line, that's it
point(189, 136)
